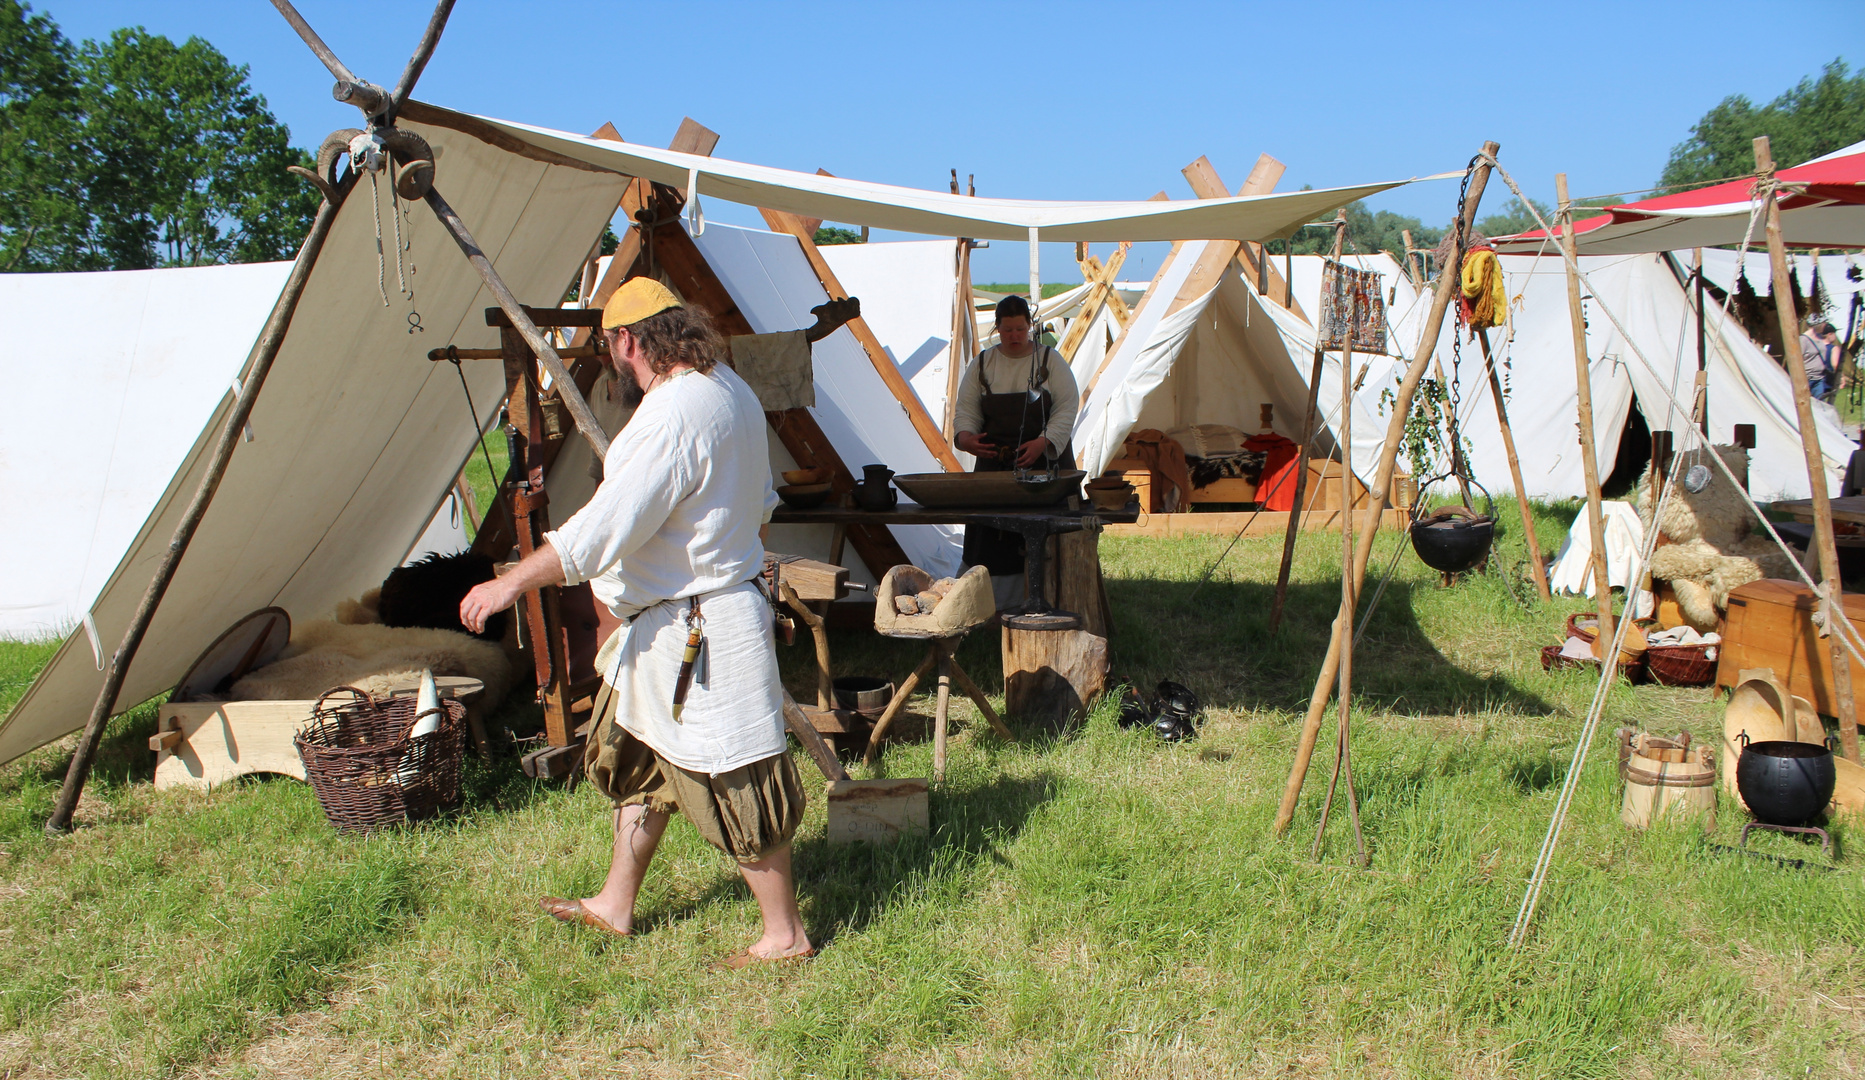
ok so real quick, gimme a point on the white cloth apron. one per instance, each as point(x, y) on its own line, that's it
point(734, 707)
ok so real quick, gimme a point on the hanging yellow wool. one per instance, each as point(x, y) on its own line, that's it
point(1485, 293)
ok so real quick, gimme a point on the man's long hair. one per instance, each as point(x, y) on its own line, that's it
point(682, 335)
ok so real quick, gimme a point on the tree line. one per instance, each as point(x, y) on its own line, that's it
point(136, 152)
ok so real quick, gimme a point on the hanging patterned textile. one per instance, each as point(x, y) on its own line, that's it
point(1353, 308)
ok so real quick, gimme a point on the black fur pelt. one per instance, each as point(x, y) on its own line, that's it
point(1247, 464)
point(428, 593)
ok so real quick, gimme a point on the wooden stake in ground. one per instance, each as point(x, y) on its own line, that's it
point(1583, 389)
point(1349, 601)
point(1382, 480)
point(1816, 461)
point(1301, 463)
point(1515, 471)
point(267, 351)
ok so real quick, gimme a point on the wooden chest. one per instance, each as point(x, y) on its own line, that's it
point(1770, 625)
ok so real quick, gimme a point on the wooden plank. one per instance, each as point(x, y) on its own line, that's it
point(549, 317)
point(693, 137)
point(1583, 384)
point(884, 364)
point(220, 741)
point(1817, 479)
point(1264, 176)
point(1252, 523)
point(876, 811)
point(1152, 287)
point(813, 580)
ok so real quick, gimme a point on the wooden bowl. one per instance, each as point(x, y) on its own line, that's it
point(803, 496)
point(805, 477)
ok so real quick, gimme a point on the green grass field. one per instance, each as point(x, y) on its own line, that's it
point(1092, 905)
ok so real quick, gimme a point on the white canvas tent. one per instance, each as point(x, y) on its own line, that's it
point(1215, 360)
point(138, 354)
point(1745, 385)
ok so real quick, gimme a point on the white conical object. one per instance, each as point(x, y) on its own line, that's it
point(426, 705)
point(427, 720)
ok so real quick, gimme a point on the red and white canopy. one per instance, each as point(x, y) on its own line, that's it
point(1822, 205)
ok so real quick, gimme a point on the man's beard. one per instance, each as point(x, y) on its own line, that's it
point(627, 388)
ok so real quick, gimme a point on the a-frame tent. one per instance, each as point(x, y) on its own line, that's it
point(1745, 385)
point(1214, 361)
point(354, 419)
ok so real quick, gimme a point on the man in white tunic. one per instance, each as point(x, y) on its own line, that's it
point(670, 542)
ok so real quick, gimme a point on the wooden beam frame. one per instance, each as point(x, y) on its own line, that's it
point(884, 365)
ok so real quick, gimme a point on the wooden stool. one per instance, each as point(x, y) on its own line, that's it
point(966, 607)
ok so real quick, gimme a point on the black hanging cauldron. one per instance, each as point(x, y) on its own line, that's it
point(1454, 538)
point(1784, 783)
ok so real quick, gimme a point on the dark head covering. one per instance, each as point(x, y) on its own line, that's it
point(1012, 306)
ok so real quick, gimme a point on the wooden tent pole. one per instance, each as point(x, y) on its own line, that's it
point(1308, 439)
point(1376, 495)
point(1583, 390)
point(1515, 471)
point(266, 351)
point(1816, 460)
point(586, 422)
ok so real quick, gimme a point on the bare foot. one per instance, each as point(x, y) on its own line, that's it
point(775, 947)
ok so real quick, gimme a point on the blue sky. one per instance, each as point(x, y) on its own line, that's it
point(1084, 100)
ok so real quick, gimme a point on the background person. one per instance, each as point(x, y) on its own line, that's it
point(670, 538)
point(1016, 409)
point(1819, 358)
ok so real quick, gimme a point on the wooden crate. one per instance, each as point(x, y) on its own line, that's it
point(1230, 489)
point(1769, 625)
point(1324, 486)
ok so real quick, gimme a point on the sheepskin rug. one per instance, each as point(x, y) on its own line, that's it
point(373, 657)
point(1706, 548)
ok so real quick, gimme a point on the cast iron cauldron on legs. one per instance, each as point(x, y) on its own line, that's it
point(1784, 783)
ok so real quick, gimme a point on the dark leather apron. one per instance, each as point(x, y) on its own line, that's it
point(1010, 420)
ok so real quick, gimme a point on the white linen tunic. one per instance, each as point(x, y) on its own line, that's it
point(686, 485)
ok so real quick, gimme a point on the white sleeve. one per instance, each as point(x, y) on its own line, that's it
point(645, 477)
point(1064, 403)
point(968, 412)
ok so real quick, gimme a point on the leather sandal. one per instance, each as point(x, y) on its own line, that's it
point(745, 958)
point(573, 911)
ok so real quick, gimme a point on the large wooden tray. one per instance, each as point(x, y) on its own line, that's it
point(939, 490)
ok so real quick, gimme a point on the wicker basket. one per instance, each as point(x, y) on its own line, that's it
point(1551, 659)
point(1586, 634)
point(1681, 665)
point(368, 773)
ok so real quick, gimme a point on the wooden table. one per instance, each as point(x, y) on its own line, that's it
point(1849, 509)
point(1036, 524)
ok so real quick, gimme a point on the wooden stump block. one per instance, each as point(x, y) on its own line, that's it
point(1052, 676)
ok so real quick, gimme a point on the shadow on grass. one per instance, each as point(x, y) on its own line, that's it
point(1218, 642)
point(849, 886)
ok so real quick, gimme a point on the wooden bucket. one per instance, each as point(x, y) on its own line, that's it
point(1665, 776)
